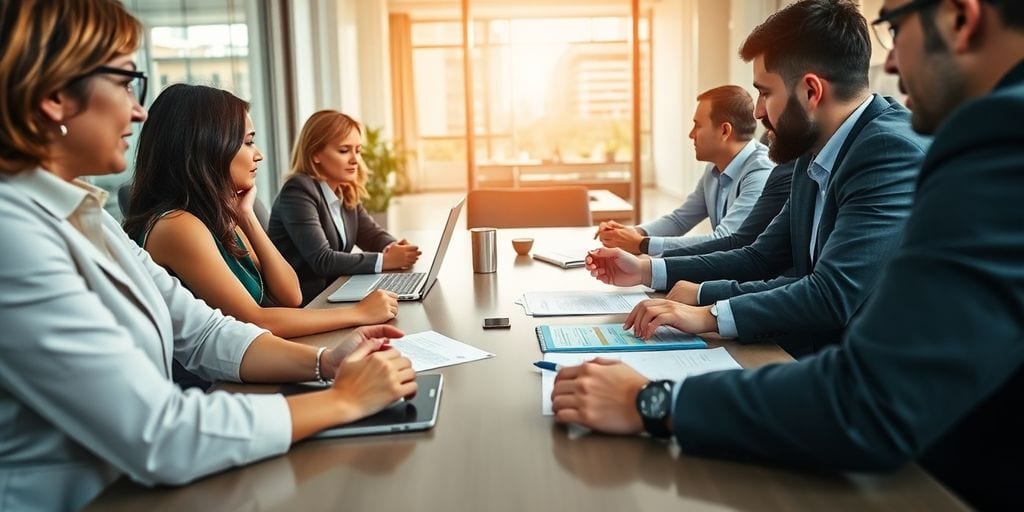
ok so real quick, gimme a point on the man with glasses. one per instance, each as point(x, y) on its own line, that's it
point(932, 367)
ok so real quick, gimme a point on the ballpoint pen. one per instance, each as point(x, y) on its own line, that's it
point(547, 365)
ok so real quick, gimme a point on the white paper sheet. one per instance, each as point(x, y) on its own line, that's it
point(429, 349)
point(580, 303)
point(667, 364)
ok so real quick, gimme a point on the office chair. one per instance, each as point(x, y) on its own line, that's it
point(528, 207)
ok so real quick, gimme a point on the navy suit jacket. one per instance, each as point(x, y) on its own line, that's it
point(773, 198)
point(304, 232)
point(932, 367)
point(866, 206)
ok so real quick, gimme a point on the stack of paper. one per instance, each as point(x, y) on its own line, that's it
point(670, 364)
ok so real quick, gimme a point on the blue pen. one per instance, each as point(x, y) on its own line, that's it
point(546, 365)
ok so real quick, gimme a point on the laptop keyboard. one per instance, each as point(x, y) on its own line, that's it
point(402, 284)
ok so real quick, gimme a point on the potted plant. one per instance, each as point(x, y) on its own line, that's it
point(386, 174)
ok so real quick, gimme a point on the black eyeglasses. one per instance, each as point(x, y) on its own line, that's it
point(136, 86)
point(887, 35)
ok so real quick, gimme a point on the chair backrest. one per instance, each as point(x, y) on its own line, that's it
point(528, 207)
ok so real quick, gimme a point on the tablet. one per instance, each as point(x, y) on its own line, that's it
point(418, 413)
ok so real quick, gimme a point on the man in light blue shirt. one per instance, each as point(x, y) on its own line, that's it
point(723, 131)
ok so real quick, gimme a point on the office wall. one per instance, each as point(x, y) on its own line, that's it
point(675, 62)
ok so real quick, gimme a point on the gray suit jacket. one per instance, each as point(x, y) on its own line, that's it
point(773, 198)
point(867, 203)
point(304, 232)
point(85, 383)
point(744, 190)
point(932, 367)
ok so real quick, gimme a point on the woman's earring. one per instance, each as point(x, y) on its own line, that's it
point(63, 131)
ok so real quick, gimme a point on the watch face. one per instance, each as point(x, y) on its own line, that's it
point(654, 401)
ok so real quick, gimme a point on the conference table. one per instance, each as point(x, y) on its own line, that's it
point(492, 450)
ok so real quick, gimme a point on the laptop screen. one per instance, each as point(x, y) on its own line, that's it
point(442, 246)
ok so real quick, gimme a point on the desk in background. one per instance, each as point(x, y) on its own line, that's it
point(493, 451)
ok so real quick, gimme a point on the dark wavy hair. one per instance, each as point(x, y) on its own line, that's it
point(184, 158)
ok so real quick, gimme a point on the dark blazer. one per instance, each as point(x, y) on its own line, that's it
point(866, 206)
point(302, 229)
point(932, 367)
point(773, 197)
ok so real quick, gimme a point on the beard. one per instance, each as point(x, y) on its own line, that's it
point(795, 134)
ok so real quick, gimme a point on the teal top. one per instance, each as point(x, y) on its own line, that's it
point(243, 268)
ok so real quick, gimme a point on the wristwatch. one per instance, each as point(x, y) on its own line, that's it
point(714, 310)
point(645, 244)
point(654, 403)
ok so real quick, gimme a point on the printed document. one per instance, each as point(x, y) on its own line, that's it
point(580, 303)
point(668, 364)
point(429, 349)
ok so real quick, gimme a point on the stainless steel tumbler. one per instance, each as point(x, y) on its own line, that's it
point(485, 250)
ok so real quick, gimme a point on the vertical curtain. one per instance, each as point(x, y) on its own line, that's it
point(404, 97)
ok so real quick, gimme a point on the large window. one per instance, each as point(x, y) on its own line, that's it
point(546, 91)
point(205, 42)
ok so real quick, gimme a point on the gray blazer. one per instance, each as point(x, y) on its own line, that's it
point(932, 367)
point(85, 377)
point(866, 205)
point(304, 232)
point(745, 188)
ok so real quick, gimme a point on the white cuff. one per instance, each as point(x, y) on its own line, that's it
point(726, 320)
point(659, 274)
point(655, 245)
point(273, 426)
point(380, 264)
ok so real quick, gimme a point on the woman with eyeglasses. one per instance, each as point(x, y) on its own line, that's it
point(91, 324)
point(191, 208)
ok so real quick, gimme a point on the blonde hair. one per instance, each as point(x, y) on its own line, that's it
point(321, 129)
point(46, 46)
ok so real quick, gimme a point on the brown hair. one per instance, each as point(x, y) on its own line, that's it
point(732, 104)
point(46, 46)
point(321, 129)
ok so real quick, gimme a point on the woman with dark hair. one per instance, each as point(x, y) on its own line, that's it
point(318, 217)
point(191, 208)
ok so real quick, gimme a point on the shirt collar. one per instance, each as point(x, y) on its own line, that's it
point(331, 197)
point(60, 198)
point(826, 158)
point(736, 165)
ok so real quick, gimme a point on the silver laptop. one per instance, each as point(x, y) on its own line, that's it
point(408, 285)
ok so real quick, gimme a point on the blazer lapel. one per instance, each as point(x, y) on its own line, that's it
point(876, 108)
point(802, 197)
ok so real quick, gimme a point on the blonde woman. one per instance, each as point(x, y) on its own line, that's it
point(91, 324)
point(318, 217)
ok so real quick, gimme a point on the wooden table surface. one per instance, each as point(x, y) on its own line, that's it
point(492, 450)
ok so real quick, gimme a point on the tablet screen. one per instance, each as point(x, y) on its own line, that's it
point(418, 413)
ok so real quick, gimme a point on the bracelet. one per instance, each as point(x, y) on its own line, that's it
point(317, 373)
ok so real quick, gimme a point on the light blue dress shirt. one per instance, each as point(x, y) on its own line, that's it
point(710, 200)
point(334, 205)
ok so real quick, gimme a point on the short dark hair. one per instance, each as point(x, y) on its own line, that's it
point(826, 37)
point(732, 104)
point(183, 161)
